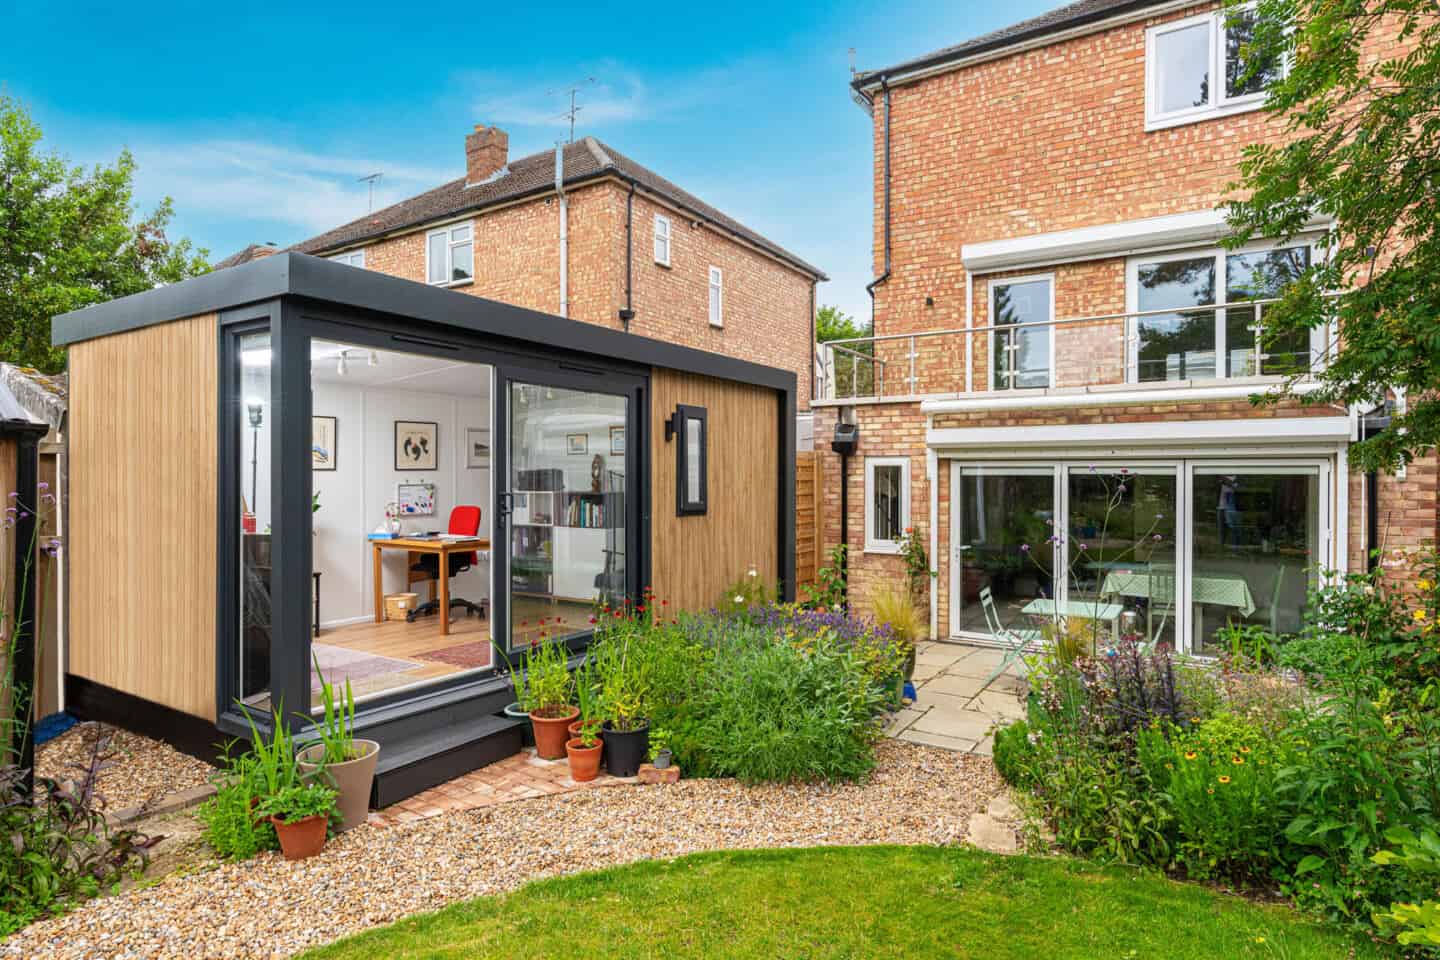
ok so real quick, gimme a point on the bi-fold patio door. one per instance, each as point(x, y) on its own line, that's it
point(1170, 550)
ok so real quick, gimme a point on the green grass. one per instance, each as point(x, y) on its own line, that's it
point(856, 902)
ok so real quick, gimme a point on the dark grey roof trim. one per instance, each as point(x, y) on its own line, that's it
point(300, 275)
point(1065, 18)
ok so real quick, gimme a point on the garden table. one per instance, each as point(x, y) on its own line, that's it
point(1218, 589)
point(1087, 609)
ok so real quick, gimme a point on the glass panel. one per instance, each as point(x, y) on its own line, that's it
point(1256, 537)
point(885, 507)
point(367, 405)
point(1244, 78)
point(255, 506)
point(460, 234)
point(714, 301)
point(694, 441)
point(1005, 526)
point(1122, 549)
point(1176, 346)
point(1262, 276)
point(464, 261)
point(1022, 353)
point(567, 530)
point(438, 266)
point(1182, 68)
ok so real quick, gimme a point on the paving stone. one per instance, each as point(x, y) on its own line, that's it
point(957, 724)
point(649, 773)
point(955, 686)
point(957, 744)
point(903, 719)
point(1003, 808)
point(987, 833)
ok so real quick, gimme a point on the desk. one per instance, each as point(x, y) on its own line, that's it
point(415, 545)
point(1085, 609)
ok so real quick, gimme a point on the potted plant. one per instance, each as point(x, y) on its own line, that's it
point(621, 672)
point(338, 759)
point(301, 815)
point(543, 690)
point(583, 751)
point(660, 753)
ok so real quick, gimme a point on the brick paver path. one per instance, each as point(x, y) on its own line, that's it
point(514, 778)
point(950, 710)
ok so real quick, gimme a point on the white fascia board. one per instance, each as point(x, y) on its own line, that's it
point(1105, 240)
point(1263, 430)
point(1107, 396)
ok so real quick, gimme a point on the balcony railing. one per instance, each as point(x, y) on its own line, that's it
point(1210, 343)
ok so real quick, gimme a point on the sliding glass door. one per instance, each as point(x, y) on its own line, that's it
point(565, 505)
point(1166, 551)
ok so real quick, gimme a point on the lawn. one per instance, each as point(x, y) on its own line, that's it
point(856, 902)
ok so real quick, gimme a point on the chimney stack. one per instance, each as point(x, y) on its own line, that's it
point(486, 151)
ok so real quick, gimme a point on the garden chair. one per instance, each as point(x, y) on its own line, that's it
point(1012, 641)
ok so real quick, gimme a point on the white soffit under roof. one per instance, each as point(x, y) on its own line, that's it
point(1092, 243)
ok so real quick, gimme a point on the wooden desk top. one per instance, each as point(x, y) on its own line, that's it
point(433, 544)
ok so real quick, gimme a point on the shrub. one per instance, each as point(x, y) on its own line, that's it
point(59, 848)
point(828, 590)
point(1013, 753)
point(1413, 924)
point(896, 609)
point(233, 829)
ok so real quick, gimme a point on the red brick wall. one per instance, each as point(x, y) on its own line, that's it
point(517, 260)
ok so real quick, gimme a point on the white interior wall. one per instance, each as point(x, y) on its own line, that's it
point(353, 496)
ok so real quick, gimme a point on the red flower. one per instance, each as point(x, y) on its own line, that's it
point(592, 619)
point(664, 603)
point(618, 614)
point(640, 609)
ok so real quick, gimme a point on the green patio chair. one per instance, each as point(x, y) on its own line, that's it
point(1014, 642)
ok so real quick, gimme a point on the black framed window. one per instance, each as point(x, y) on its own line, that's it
point(692, 485)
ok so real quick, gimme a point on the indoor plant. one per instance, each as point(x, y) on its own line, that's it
point(543, 690)
point(301, 815)
point(340, 760)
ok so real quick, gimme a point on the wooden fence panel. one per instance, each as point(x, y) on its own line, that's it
point(809, 499)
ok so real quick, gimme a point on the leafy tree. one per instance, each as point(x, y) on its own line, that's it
point(1360, 109)
point(69, 239)
point(852, 374)
point(832, 323)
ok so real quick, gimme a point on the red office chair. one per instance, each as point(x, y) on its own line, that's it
point(464, 520)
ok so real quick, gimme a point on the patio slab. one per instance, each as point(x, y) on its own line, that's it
point(954, 707)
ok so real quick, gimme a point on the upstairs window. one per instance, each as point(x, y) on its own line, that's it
point(662, 240)
point(1195, 69)
point(450, 255)
point(1023, 341)
point(351, 258)
point(717, 298)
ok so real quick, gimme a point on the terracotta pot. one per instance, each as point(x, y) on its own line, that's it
point(584, 761)
point(301, 838)
point(574, 729)
point(552, 732)
point(351, 779)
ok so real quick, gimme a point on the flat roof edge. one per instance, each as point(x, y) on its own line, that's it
point(327, 282)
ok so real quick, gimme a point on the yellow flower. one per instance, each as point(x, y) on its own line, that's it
point(1259, 939)
point(1244, 749)
point(1237, 760)
point(1190, 755)
point(1423, 584)
point(1419, 616)
point(1224, 779)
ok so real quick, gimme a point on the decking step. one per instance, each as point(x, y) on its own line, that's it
point(422, 761)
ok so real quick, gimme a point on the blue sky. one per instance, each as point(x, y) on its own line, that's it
point(258, 120)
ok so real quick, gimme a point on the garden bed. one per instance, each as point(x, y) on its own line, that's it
point(266, 907)
point(137, 772)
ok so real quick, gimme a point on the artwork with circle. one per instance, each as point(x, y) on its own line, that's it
point(416, 445)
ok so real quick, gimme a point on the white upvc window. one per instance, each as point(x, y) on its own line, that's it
point(1192, 319)
point(450, 255)
point(351, 258)
point(1194, 69)
point(1022, 337)
point(662, 240)
point(887, 503)
point(717, 297)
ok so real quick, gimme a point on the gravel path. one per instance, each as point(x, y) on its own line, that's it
point(138, 770)
point(368, 877)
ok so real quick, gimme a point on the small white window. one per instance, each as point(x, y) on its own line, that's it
point(662, 240)
point(450, 255)
point(887, 503)
point(717, 298)
point(351, 258)
point(1195, 70)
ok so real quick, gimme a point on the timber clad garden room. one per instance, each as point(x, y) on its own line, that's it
point(295, 468)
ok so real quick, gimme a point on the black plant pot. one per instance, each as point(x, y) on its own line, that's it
point(625, 750)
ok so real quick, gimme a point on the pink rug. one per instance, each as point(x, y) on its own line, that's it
point(339, 664)
point(467, 655)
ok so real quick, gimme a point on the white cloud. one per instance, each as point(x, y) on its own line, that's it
point(240, 180)
point(614, 96)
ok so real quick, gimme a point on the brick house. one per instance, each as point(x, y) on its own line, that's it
point(597, 238)
point(1051, 308)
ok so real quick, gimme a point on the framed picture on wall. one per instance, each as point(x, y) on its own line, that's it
point(617, 441)
point(477, 448)
point(416, 446)
point(577, 444)
point(322, 443)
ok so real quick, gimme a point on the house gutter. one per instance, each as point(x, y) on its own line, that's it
point(564, 230)
point(628, 314)
point(885, 180)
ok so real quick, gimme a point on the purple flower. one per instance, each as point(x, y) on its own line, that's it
point(1024, 548)
point(42, 485)
point(14, 495)
point(1084, 546)
point(1157, 538)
